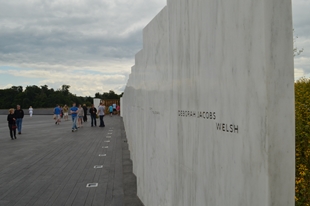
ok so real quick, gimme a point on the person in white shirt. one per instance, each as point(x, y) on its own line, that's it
point(101, 109)
point(80, 114)
point(30, 111)
point(114, 108)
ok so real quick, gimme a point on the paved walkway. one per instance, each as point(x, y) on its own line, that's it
point(49, 164)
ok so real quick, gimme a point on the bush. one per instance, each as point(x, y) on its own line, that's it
point(302, 120)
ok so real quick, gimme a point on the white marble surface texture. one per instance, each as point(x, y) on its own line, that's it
point(209, 105)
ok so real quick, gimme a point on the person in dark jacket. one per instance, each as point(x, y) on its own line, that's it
point(12, 123)
point(93, 115)
point(19, 115)
point(85, 113)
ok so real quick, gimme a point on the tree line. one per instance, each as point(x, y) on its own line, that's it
point(44, 97)
point(302, 141)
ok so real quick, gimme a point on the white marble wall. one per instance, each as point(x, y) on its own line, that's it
point(208, 66)
point(121, 107)
point(96, 102)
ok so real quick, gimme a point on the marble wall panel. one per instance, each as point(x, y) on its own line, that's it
point(209, 105)
point(121, 104)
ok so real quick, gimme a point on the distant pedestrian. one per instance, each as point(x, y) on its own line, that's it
point(61, 112)
point(118, 108)
point(85, 113)
point(57, 112)
point(101, 109)
point(111, 110)
point(93, 115)
point(19, 115)
point(73, 111)
point(65, 110)
point(114, 108)
point(30, 111)
point(12, 123)
point(80, 113)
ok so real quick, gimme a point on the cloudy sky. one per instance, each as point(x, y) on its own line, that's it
point(87, 44)
point(90, 44)
point(301, 19)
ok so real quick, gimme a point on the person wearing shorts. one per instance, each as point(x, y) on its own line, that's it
point(65, 111)
point(57, 112)
point(80, 113)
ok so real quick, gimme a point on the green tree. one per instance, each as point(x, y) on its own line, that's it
point(18, 89)
point(65, 89)
point(43, 97)
point(302, 136)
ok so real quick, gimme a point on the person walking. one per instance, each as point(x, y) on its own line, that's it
point(57, 112)
point(80, 114)
point(101, 109)
point(61, 112)
point(93, 115)
point(111, 110)
point(19, 115)
point(12, 123)
point(30, 111)
point(114, 108)
point(85, 113)
point(73, 111)
point(65, 109)
point(118, 108)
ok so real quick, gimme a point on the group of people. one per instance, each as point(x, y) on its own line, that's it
point(15, 120)
point(114, 109)
point(81, 113)
point(78, 114)
point(63, 112)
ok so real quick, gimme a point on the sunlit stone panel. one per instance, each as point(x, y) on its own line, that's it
point(209, 105)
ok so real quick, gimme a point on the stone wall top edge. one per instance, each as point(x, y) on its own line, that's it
point(162, 12)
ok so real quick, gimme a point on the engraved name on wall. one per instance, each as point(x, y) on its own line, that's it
point(220, 126)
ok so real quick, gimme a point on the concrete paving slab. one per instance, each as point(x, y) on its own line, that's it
point(49, 164)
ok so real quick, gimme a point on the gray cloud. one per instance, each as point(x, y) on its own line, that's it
point(63, 32)
point(92, 40)
point(301, 17)
point(94, 35)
